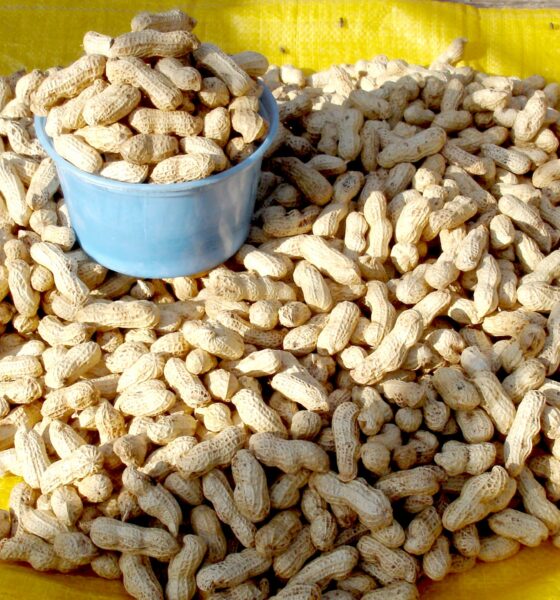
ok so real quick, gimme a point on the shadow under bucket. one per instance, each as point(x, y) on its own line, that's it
point(156, 231)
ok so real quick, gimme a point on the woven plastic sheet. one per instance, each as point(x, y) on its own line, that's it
point(311, 34)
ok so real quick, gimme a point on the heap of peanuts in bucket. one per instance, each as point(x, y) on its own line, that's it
point(111, 113)
point(366, 394)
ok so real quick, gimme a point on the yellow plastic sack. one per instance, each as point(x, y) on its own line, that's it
point(313, 34)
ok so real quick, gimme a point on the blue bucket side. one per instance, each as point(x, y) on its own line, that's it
point(158, 231)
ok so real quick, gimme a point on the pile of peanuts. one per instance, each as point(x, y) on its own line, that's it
point(112, 113)
point(364, 396)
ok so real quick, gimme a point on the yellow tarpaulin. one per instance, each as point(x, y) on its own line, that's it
point(312, 34)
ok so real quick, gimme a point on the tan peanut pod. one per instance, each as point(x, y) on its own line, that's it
point(199, 145)
point(400, 590)
point(85, 460)
point(217, 126)
point(527, 251)
point(75, 547)
point(149, 43)
point(382, 313)
point(436, 563)
point(23, 390)
point(67, 283)
point(526, 425)
point(32, 456)
point(69, 82)
point(474, 459)
point(546, 174)
point(64, 237)
point(188, 167)
point(155, 500)
point(106, 566)
point(235, 569)
point(530, 120)
point(147, 399)
point(13, 192)
point(14, 367)
point(97, 43)
point(256, 414)
point(148, 366)
point(346, 440)
point(128, 315)
point(495, 548)
point(529, 375)
point(105, 138)
point(249, 124)
point(97, 489)
point(316, 293)
point(338, 329)
point(187, 490)
point(110, 534)
point(538, 296)
point(392, 536)
point(513, 524)
point(422, 531)
point(77, 361)
point(184, 77)
point(64, 439)
point(371, 506)
point(131, 449)
point(455, 390)
point(392, 351)
point(284, 492)
point(125, 355)
point(21, 496)
point(149, 148)
point(125, 171)
point(423, 144)
point(308, 180)
point(72, 112)
point(288, 563)
point(206, 525)
point(305, 425)
point(475, 425)
point(225, 68)
point(535, 500)
point(138, 577)
point(188, 386)
point(527, 218)
point(66, 505)
point(334, 564)
point(410, 482)
point(380, 228)
point(251, 490)
point(26, 87)
point(221, 384)
point(412, 286)
point(33, 550)
point(375, 457)
point(43, 185)
point(169, 20)
point(297, 384)
point(111, 104)
point(275, 537)
point(162, 122)
point(502, 233)
point(395, 561)
point(181, 584)
point(212, 453)
point(78, 152)
point(109, 422)
point(288, 455)
point(476, 498)
point(467, 541)
point(133, 71)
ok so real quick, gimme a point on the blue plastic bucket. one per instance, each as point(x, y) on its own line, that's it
point(151, 230)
